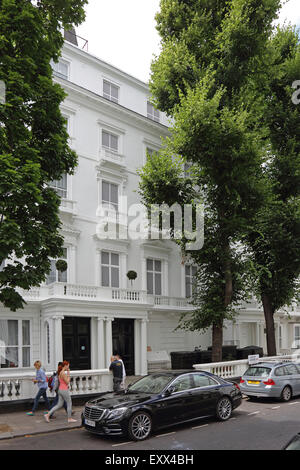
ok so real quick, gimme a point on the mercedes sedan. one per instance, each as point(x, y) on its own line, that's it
point(160, 400)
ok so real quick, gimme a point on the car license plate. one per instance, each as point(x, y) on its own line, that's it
point(90, 423)
point(254, 382)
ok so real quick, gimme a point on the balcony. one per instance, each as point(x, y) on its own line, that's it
point(68, 206)
point(107, 156)
point(61, 290)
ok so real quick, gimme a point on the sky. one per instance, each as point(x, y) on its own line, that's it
point(122, 32)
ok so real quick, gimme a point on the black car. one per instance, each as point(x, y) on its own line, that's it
point(159, 400)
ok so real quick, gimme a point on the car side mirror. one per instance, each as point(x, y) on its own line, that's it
point(170, 390)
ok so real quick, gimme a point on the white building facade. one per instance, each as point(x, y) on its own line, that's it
point(93, 309)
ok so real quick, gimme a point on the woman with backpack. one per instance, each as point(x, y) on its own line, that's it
point(53, 384)
point(41, 381)
point(63, 392)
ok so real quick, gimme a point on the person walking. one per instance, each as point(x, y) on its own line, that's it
point(55, 400)
point(123, 371)
point(117, 369)
point(41, 381)
point(63, 392)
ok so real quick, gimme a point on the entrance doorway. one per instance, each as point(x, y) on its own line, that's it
point(123, 342)
point(77, 342)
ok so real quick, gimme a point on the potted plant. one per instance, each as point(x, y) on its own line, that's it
point(132, 275)
point(61, 265)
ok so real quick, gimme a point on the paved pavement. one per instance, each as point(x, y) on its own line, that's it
point(18, 423)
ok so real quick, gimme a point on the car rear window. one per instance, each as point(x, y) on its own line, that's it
point(258, 371)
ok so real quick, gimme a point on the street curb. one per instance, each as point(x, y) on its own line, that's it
point(11, 435)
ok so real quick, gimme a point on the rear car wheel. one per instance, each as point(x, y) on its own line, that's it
point(286, 393)
point(224, 409)
point(140, 426)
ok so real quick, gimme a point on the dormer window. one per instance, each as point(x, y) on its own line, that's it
point(152, 112)
point(110, 91)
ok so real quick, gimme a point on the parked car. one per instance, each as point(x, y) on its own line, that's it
point(293, 444)
point(272, 380)
point(159, 400)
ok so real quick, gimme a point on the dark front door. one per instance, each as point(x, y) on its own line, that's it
point(123, 342)
point(77, 342)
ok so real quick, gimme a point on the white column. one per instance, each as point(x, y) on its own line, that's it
point(238, 334)
point(144, 365)
point(108, 338)
point(101, 344)
point(257, 334)
point(165, 276)
point(182, 277)
point(72, 264)
point(123, 278)
point(57, 339)
point(285, 336)
point(97, 267)
point(137, 347)
point(144, 274)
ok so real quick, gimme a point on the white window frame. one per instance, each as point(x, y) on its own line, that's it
point(59, 187)
point(55, 68)
point(110, 266)
point(154, 272)
point(109, 95)
point(110, 203)
point(109, 146)
point(152, 113)
point(190, 276)
point(57, 273)
point(20, 346)
point(296, 342)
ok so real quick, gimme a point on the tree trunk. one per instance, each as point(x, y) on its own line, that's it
point(270, 326)
point(217, 331)
point(217, 342)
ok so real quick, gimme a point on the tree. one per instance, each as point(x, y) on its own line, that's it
point(211, 53)
point(33, 140)
point(275, 239)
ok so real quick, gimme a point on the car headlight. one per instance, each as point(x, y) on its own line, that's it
point(117, 413)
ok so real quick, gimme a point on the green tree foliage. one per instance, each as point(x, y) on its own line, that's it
point(213, 53)
point(275, 240)
point(33, 140)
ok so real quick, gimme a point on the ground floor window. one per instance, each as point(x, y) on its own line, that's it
point(14, 343)
point(297, 336)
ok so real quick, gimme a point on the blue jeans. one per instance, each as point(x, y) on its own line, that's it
point(42, 392)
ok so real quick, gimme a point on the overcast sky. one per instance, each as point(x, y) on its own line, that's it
point(122, 32)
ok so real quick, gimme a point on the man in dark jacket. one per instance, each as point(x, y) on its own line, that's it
point(116, 367)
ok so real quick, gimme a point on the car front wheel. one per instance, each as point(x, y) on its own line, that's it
point(140, 426)
point(224, 409)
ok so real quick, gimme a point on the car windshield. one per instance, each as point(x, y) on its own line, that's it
point(151, 384)
point(258, 371)
point(294, 444)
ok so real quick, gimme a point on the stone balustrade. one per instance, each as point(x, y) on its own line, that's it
point(83, 292)
point(233, 369)
point(19, 385)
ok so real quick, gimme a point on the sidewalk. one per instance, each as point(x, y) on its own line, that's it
point(18, 423)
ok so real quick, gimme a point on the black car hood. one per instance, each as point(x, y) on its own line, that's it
point(114, 400)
